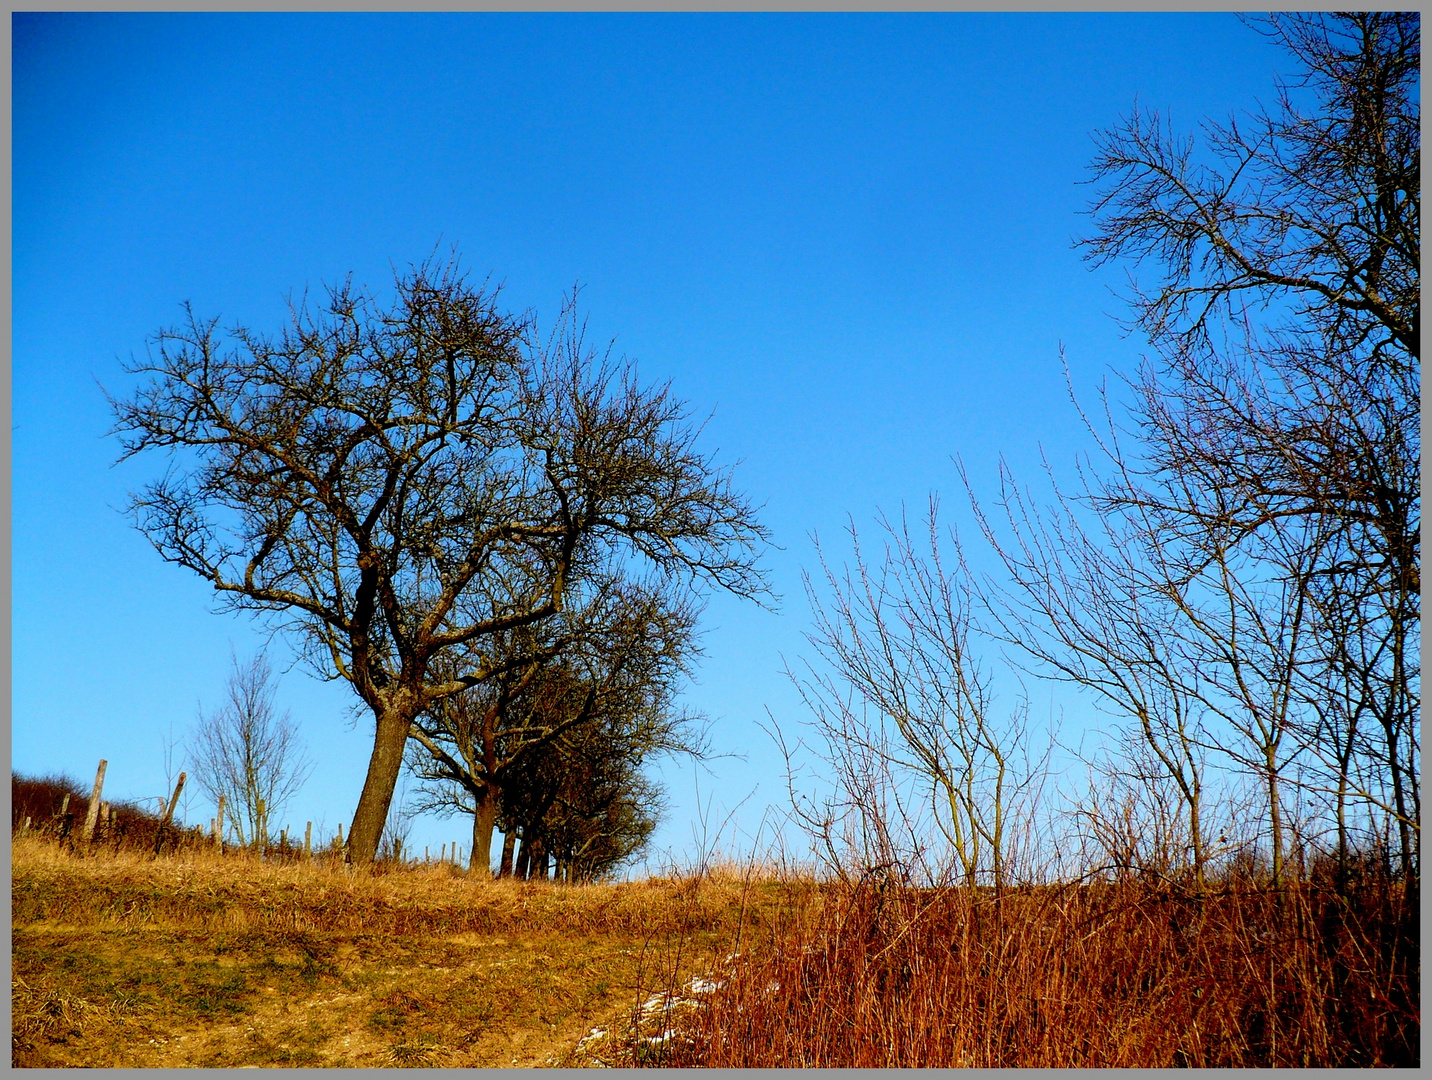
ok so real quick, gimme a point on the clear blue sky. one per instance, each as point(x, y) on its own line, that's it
point(848, 235)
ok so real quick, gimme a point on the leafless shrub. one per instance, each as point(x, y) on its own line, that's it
point(902, 708)
point(249, 754)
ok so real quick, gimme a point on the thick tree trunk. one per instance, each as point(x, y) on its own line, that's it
point(389, 742)
point(483, 821)
point(509, 842)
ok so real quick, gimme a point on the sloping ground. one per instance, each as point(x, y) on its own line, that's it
point(123, 960)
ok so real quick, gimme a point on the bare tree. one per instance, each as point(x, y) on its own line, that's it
point(896, 693)
point(586, 803)
point(1285, 320)
point(394, 484)
point(1089, 605)
point(248, 754)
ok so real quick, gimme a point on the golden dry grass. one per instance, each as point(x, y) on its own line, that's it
point(122, 959)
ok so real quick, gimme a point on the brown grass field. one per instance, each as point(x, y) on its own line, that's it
point(123, 958)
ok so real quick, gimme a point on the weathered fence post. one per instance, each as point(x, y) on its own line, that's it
point(168, 813)
point(64, 819)
point(307, 841)
point(92, 815)
point(173, 800)
point(219, 827)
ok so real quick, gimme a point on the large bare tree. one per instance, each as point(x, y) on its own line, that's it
point(392, 483)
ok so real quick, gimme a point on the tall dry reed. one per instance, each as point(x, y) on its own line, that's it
point(1098, 975)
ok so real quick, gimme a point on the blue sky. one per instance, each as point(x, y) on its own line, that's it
point(847, 237)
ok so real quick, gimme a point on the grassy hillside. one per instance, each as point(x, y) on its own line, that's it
point(120, 958)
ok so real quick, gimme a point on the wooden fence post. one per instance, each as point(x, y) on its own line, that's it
point(307, 841)
point(168, 813)
point(173, 800)
point(64, 819)
point(92, 815)
point(219, 827)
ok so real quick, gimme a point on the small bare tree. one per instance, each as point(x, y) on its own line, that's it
point(612, 662)
point(1085, 603)
point(905, 709)
point(249, 754)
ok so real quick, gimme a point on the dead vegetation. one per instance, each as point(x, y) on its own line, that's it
point(1112, 974)
point(121, 958)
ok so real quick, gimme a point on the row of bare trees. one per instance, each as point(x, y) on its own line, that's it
point(552, 748)
point(1235, 571)
point(497, 539)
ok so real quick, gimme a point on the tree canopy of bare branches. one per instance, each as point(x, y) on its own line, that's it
point(394, 483)
point(1282, 405)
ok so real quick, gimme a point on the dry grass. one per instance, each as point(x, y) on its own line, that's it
point(120, 958)
point(1112, 975)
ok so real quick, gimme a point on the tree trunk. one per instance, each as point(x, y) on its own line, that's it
point(539, 861)
point(509, 841)
point(524, 859)
point(389, 741)
point(483, 821)
point(1195, 824)
point(1275, 820)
